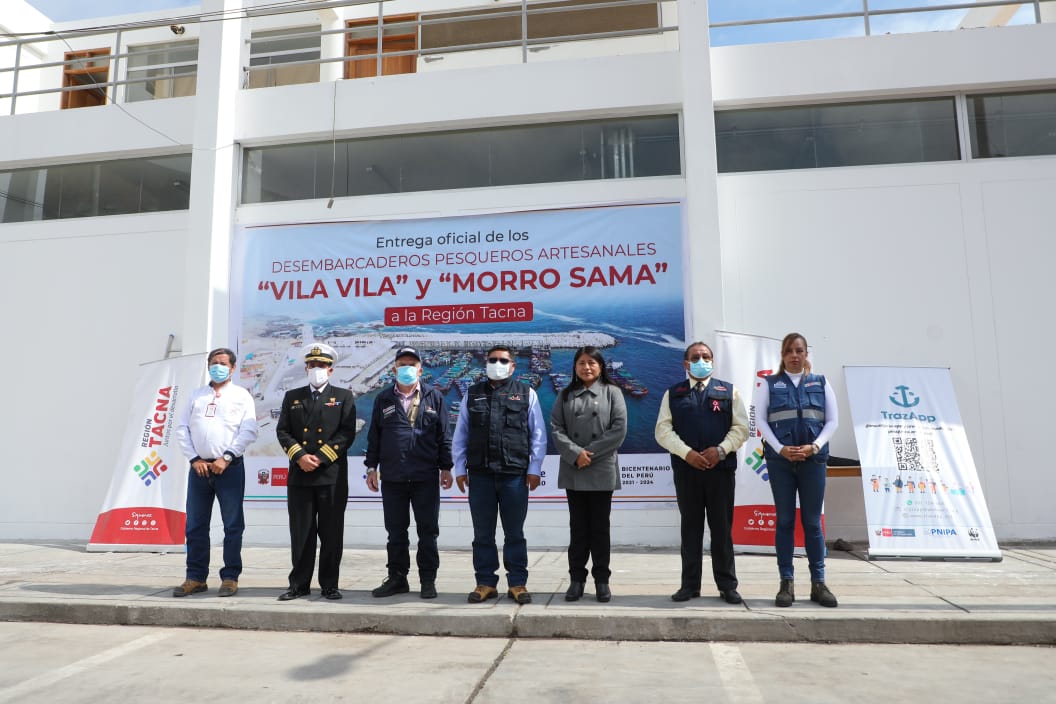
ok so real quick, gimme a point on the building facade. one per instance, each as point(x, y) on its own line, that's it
point(889, 196)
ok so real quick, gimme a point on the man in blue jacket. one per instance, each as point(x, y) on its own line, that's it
point(408, 445)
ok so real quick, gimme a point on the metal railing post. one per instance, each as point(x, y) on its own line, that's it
point(1037, 11)
point(14, 78)
point(117, 69)
point(865, 15)
point(524, 31)
point(381, 36)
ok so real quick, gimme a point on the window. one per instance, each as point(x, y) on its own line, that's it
point(572, 151)
point(1012, 124)
point(575, 18)
point(83, 76)
point(273, 57)
point(102, 188)
point(162, 70)
point(851, 134)
point(399, 34)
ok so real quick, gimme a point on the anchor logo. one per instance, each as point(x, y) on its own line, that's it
point(908, 400)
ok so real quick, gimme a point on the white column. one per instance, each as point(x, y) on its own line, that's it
point(703, 286)
point(213, 196)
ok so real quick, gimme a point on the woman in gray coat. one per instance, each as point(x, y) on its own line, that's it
point(588, 424)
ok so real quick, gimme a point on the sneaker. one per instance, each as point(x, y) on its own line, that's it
point(519, 594)
point(189, 586)
point(821, 594)
point(228, 587)
point(482, 593)
point(391, 586)
point(786, 593)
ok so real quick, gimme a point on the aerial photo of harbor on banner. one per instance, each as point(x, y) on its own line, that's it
point(543, 282)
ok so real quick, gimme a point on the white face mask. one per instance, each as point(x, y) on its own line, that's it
point(498, 372)
point(317, 376)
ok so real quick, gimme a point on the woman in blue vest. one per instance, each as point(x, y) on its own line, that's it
point(801, 416)
point(588, 424)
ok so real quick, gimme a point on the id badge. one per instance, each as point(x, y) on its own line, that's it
point(210, 410)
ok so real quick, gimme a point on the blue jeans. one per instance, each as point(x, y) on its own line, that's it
point(499, 496)
point(808, 478)
point(229, 489)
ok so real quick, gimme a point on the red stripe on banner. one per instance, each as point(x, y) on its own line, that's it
point(755, 525)
point(140, 525)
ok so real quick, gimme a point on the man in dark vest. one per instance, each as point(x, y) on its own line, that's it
point(702, 422)
point(317, 424)
point(498, 450)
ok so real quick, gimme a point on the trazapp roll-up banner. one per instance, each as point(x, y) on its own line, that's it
point(922, 492)
point(542, 282)
point(145, 508)
point(745, 361)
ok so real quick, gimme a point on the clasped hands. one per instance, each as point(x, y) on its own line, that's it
point(706, 459)
point(203, 468)
point(797, 453)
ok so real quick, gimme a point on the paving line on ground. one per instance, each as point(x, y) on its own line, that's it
point(15, 692)
point(737, 680)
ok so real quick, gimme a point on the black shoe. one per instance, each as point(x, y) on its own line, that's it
point(685, 594)
point(821, 594)
point(391, 586)
point(731, 596)
point(331, 593)
point(602, 592)
point(428, 590)
point(786, 593)
point(294, 593)
point(575, 591)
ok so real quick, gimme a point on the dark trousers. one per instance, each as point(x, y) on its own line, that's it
point(706, 494)
point(398, 499)
point(316, 512)
point(588, 527)
point(229, 489)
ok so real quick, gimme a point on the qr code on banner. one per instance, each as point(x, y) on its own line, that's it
point(907, 454)
point(911, 456)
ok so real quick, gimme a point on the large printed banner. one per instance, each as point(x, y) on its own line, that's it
point(144, 509)
point(745, 360)
point(543, 282)
point(922, 493)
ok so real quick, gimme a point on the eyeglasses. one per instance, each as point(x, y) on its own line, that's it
point(498, 360)
point(698, 357)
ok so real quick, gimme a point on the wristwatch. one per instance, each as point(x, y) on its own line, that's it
point(722, 452)
point(228, 457)
point(816, 448)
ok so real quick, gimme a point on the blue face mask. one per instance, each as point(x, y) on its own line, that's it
point(407, 375)
point(701, 369)
point(219, 373)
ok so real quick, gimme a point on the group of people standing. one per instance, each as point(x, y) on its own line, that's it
point(495, 453)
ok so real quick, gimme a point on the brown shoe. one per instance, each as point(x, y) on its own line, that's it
point(190, 586)
point(519, 594)
point(482, 593)
point(229, 587)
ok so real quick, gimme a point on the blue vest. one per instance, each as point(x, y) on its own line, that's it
point(499, 438)
point(796, 414)
point(702, 420)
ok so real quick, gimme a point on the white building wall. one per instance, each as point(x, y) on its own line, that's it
point(937, 264)
point(85, 302)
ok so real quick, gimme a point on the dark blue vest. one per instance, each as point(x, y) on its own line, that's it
point(499, 439)
point(796, 414)
point(702, 419)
